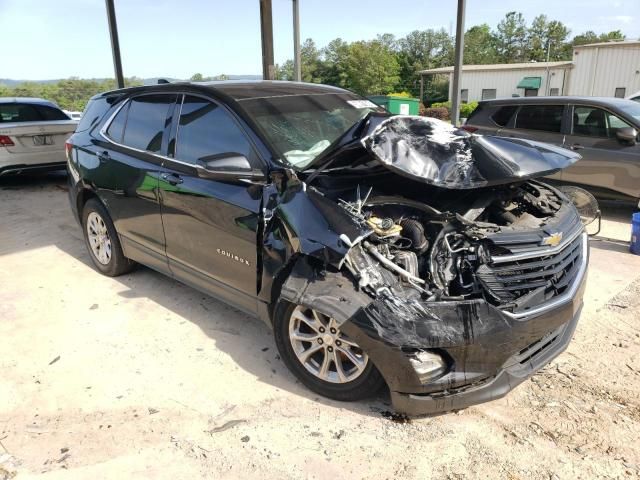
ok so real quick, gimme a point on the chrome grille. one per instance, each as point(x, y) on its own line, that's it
point(545, 275)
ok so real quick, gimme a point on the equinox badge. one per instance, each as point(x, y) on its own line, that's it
point(552, 240)
point(232, 256)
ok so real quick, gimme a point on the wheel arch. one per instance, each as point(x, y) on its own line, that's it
point(83, 196)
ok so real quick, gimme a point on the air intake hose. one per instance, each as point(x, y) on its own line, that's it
point(414, 231)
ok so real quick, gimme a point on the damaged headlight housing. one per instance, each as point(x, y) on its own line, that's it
point(427, 364)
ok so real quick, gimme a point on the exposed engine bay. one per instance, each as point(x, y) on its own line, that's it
point(416, 250)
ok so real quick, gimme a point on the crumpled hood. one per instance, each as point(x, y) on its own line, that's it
point(435, 152)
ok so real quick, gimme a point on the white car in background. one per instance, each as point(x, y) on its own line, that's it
point(33, 133)
point(73, 115)
point(635, 97)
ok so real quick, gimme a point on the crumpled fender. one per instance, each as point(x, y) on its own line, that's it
point(315, 223)
point(331, 293)
point(303, 222)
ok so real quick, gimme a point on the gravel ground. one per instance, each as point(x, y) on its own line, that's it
point(141, 377)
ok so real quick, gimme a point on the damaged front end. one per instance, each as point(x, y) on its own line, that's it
point(472, 273)
point(469, 296)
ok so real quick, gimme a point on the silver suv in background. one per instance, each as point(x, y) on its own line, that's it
point(33, 133)
point(605, 131)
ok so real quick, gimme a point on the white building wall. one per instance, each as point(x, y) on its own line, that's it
point(600, 70)
point(505, 81)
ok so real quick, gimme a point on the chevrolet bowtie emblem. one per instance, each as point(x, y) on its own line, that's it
point(552, 240)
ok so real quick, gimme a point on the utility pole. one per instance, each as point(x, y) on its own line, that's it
point(115, 44)
point(457, 66)
point(547, 74)
point(297, 67)
point(266, 31)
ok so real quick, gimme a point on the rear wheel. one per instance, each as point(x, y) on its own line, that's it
point(102, 240)
point(323, 357)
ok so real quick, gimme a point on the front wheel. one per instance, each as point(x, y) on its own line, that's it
point(323, 358)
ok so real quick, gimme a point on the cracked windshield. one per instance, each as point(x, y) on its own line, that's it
point(301, 127)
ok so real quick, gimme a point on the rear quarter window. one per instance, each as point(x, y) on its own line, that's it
point(93, 112)
point(503, 114)
point(546, 118)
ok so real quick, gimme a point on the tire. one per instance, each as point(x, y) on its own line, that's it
point(106, 254)
point(366, 381)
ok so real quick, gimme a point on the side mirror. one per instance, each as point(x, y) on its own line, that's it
point(228, 166)
point(627, 135)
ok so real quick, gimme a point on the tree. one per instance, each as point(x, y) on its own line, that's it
point(371, 68)
point(197, 77)
point(334, 65)
point(310, 62)
point(592, 37)
point(388, 40)
point(480, 46)
point(512, 38)
point(548, 38)
point(612, 36)
point(419, 50)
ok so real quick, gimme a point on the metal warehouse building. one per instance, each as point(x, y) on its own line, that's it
point(609, 69)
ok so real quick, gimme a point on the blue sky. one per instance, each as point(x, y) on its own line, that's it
point(175, 38)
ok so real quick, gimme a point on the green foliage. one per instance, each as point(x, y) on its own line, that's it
point(440, 113)
point(480, 45)
point(591, 37)
point(388, 64)
point(400, 94)
point(465, 109)
point(370, 68)
point(547, 39)
point(70, 94)
point(511, 38)
point(421, 50)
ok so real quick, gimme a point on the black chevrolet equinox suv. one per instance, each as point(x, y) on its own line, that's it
point(382, 250)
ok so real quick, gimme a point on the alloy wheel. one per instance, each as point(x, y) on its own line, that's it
point(323, 349)
point(99, 239)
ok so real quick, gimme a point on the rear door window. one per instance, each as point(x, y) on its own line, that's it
point(546, 118)
point(206, 130)
point(146, 122)
point(503, 114)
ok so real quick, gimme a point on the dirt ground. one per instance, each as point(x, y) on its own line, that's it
point(141, 377)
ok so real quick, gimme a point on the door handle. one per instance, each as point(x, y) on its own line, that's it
point(104, 157)
point(171, 178)
point(576, 146)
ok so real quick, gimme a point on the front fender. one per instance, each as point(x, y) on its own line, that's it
point(303, 222)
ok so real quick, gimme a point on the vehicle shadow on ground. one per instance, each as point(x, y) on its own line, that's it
point(248, 341)
point(610, 244)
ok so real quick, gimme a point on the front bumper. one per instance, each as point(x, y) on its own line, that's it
point(490, 351)
point(494, 387)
